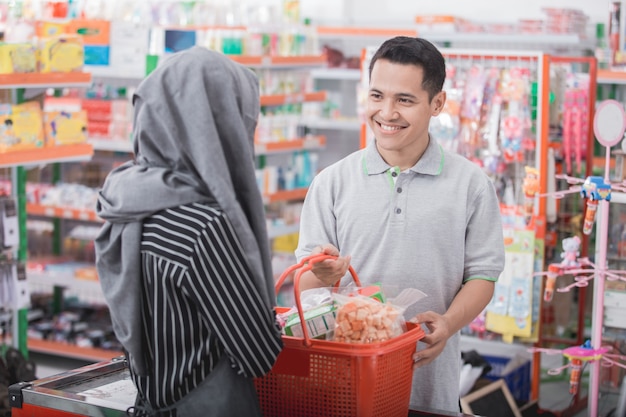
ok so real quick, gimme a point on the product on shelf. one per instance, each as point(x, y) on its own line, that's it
point(19, 57)
point(21, 127)
point(63, 53)
point(63, 128)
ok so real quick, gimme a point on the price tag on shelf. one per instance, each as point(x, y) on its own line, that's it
point(83, 215)
point(68, 214)
point(49, 211)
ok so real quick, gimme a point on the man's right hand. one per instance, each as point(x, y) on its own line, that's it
point(327, 272)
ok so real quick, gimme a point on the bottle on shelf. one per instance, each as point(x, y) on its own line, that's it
point(602, 51)
point(614, 30)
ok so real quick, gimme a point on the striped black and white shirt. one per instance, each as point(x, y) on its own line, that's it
point(199, 303)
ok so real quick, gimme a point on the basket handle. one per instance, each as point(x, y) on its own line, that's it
point(306, 264)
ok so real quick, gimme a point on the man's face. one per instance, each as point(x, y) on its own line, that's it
point(398, 109)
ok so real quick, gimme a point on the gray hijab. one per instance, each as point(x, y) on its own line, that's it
point(194, 122)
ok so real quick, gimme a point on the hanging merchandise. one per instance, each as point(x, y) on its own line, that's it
point(9, 223)
point(15, 293)
point(446, 126)
point(515, 118)
point(575, 122)
point(512, 311)
point(531, 188)
point(473, 94)
point(490, 112)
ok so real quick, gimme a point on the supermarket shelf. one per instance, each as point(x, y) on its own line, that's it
point(280, 99)
point(611, 77)
point(332, 124)
point(341, 74)
point(114, 145)
point(71, 351)
point(46, 155)
point(286, 195)
point(45, 80)
point(279, 61)
point(62, 212)
point(314, 142)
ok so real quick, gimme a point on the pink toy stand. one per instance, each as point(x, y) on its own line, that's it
point(609, 124)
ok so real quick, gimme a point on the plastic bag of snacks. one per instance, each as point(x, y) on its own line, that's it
point(365, 320)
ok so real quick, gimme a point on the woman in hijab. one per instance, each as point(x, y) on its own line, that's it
point(183, 257)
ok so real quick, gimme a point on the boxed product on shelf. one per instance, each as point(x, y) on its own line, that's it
point(64, 128)
point(49, 28)
point(96, 39)
point(21, 127)
point(18, 57)
point(63, 53)
point(107, 119)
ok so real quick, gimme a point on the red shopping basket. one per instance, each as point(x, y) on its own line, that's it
point(321, 378)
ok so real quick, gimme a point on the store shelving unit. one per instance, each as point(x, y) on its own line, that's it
point(17, 161)
point(611, 77)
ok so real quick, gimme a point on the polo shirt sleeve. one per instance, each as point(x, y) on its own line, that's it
point(222, 289)
point(484, 240)
point(317, 222)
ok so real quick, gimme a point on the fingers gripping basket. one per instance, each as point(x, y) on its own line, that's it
point(320, 378)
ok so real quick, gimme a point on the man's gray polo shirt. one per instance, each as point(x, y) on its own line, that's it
point(433, 228)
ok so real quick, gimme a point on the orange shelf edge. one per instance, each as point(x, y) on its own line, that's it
point(61, 212)
point(45, 79)
point(611, 75)
point(269, 60)
point(71, 351)
point(365, 31)
point(287, 195)
point(46, 154)
point(279, 99)
point(288, 145)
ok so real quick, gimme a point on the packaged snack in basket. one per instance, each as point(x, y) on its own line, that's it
point(365, 320)
point(373, 313)
point(319, 315)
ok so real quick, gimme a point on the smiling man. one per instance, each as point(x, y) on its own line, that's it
point(406, 213)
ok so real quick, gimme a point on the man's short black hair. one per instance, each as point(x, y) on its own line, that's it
point(415, 51)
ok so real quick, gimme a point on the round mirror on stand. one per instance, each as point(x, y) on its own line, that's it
point(609, 123)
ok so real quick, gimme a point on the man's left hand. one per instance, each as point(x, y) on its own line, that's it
point(439, 333)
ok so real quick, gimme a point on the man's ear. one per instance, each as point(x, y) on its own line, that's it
point(437, 103)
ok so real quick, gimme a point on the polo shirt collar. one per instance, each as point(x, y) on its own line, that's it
point(431, 162)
